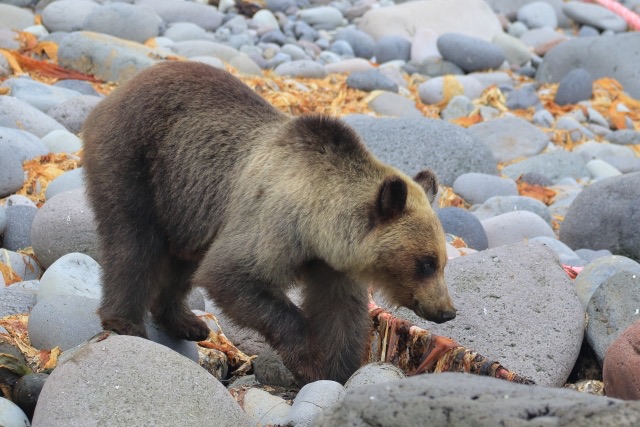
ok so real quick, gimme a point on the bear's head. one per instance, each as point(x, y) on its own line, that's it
point(406, 246)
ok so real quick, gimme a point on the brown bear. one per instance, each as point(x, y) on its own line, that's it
point(196, 180)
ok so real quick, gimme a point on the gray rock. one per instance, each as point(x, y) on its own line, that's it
point(265, 19)
point(432, 91)
point(70, 180)
point(73, 112)
point(63, 321)
point(312, 399)
point(18, 114)
point(321, 17)
point(458, 106)
point(414, 144)
point(613, 307)
point(269, 370)
point(477, 188)
point(577, 132)
point(624, 164)
point(394, 105)
point(73, 274)
point(11, 174)
point(599, 169)
point(463, 224)
point(62, 141)
point(510, 138)
point(27, 390)
point(64, 224)
point(264, 409)
point(462, 399)
point(434, 66)
point(594, 15)
point(589, 255)
point(80, 86)
point(594, 150)
point(245, 65)
point(294, 51)
point(371, 80)
point(342, 47)
point(513, 227)
point(502, 204)
point(529, 320)
point(523, 98)
point(192, 48)
point(302, 68)
point(565, 195)
point(624, 137)
point(363, 44)
point(205, 16)
point(538, 14)
point(554, 165)
point(78, 394)
point(598, 271)
point(24, 266)
point(604, 216)
point(10, 414)
point(106, 57)
point(40, 95)
point(564, 252)
point(374, 373)
point(188, 349)
point(15, 17)
point(575, 86)
point(599, 56)
point(3, 219)
point(304, 31)
point(67, 15)
point(390, 48)
point(542, 39)
point(183, 31)
point(126, 21)
point(515, 51)
point(15, 301)
point(470, 53)
point(17, 234)
point(25, 144)
point(543, 118)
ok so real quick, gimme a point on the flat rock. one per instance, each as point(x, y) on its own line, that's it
point(513, 227)
point(553, 165)
point(78, 394)
point(40, 95)
point(621, 368)
point(63, 321)
point(106, 57)
point(414, 144)
point(470, 17)
point(498, 205)
point(470, 53)
point(203, 15)
point(20, 115)
point(126, 21)
point(613, 307)
point(64, 224)
point(604, 216)
point(477, 187)
point(464, 399)
point(594, 15)
point(510, 138)
point(600, 56)
point(72, 274)
point(529, 320)
point(67, 15)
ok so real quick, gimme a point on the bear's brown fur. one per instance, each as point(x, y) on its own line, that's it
point(195, 180)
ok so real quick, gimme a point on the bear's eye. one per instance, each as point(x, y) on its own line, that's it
point(426, 267)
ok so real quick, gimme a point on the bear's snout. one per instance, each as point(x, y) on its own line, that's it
point(445, 316)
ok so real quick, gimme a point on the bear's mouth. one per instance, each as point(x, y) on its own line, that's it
point(440, 317)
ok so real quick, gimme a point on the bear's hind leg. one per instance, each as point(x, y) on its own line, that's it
point(336, 307)
point(169, 307)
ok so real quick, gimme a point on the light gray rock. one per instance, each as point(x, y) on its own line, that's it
point(598, 271)
point(624, 137)
point(477, 188)
point(554, 165)
point(471, 400)
point(564, 252)
point(73, 274)
point(67, 15)
point(263, 409)
point(515, 51)
point(17, 234)
point(432, 91)
point(11, 174)
point(10, 414)
point(245, 65)
point(566, 193)
point(538, 14)
point(470, 53)
point(599, 169)
point(77, 394)
point(321, 17)
point(459, 106)
point(62, 141)
point(70, 180)
point(575, 86)
point(371, 80)
point(203, 15)
point(193, 48)
point(594, 150)
point(613, 307)
point(599, 56)
point(104, 56)
point(374, 373)
point(20, 115)
point(183, 31)
point(510, 138)
point(394, 105)
point(414, 144)
point(73, 112)
point(363, 44)
point(25, 266)
point(513, 227)
point(302, 68)
point(312, 399)
point(390, 48)
point(15, 301)
point(64, 224)
point(529, 320)
point(503, 204)
point(40, 95)
point(126, 21)
point(3, 219)
point(594, 15)
point(15, 17)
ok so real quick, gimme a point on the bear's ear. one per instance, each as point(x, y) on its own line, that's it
point(392, 197)
point(429, 183)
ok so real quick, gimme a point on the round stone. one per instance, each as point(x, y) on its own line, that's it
point(470, 53)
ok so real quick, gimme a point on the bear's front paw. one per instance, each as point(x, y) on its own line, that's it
point(304, 362)
point(124, 327)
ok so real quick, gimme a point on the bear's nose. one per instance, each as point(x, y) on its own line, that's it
point(447, 315)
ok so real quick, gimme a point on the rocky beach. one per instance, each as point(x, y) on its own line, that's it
point(527, 111)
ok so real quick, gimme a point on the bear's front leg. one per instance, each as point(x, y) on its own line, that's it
point(257, 304)
point(336, 307)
